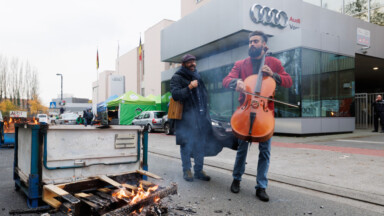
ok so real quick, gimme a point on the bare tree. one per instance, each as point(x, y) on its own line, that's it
point(18, 81)
point(13, 80)
point(34, 85)
point(20, 85)
point(1, 76)
point(4, 77)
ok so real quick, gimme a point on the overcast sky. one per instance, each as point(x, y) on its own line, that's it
point(63, 36)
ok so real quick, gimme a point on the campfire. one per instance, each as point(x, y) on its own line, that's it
point(97, 197)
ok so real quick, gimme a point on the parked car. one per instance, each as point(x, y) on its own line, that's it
point(151, 119)
point(168, 125)
point(221, 126)
point(67, 118)
point(43, 118)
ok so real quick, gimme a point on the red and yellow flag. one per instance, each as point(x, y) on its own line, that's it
point(140, 51)
point(97, 59)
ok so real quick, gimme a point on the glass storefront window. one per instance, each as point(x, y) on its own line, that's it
point(222, 102)
point(377, 12)
point(327, 84)
point(357, 8)
point(310, 83)
point(323, 84)
point(291, 61)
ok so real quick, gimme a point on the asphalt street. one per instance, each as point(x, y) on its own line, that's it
point(215, 198)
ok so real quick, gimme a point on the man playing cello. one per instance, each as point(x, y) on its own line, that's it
point(235, 80)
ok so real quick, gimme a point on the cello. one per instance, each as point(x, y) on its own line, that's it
point(254, 121)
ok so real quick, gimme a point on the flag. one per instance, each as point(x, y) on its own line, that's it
point(97, 59)
point(140, 51)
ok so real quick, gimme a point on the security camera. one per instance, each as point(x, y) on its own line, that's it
point(364, 49)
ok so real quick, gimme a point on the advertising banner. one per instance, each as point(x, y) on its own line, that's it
point(18, 114)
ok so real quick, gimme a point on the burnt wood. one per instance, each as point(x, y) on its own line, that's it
point(125, 210)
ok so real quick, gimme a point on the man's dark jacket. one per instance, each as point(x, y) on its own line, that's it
point(378, 106)
point(193, 124)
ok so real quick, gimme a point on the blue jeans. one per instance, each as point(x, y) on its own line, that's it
point(195, 150)
point(262, 165)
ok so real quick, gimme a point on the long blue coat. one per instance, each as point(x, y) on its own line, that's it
point(192, 125)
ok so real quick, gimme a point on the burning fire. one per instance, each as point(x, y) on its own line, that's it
point(121, 194)
point(142, 194)
point(138, 196)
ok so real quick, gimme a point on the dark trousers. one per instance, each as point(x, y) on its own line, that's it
point(376, 117)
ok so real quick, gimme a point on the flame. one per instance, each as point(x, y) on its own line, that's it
point(136, 197)
point(10, 120)
point(35, 121)
point(157, 199)
point(120, 194)
point(141, 209)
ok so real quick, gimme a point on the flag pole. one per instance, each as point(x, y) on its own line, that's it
point(97, 80)
point(118, 49)
point(140, 72)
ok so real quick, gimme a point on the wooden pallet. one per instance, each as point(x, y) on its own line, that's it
point(93, 196)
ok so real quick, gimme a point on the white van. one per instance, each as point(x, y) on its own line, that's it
point(43, 118)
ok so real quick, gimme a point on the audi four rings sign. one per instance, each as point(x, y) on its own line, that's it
point(269, 16)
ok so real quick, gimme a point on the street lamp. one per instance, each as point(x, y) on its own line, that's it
point(61, 75)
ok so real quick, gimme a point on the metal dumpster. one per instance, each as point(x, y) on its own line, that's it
point(69, 153)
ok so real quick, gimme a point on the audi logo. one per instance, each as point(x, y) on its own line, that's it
point(268, 16)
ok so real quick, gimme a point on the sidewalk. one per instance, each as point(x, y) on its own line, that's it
point(344, 171)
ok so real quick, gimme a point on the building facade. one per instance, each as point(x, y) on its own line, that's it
point(325, 53)
point(109, 83)
point(72, 104)
point(153, 66)
point(143, 76)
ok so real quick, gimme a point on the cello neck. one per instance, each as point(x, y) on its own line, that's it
point(260, 75)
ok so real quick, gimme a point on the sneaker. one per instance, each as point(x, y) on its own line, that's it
point(202, 176)
point(235, 186)
point(262, 195)
point(375, 131)
point(188, 175)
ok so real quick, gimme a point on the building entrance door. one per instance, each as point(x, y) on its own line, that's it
point(363, 109)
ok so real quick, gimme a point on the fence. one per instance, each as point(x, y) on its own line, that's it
point(363, 109)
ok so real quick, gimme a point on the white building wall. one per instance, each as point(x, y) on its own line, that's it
point(152, 60)
point(128, 67)
point(101, 86)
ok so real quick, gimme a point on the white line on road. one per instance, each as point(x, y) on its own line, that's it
point(360, 141)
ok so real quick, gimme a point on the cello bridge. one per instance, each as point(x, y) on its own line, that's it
point(255, 104)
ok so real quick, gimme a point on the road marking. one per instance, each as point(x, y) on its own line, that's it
point(359, 141)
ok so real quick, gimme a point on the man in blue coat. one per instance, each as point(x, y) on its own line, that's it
point(192, 130)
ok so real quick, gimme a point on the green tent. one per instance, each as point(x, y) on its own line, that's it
point(165, 98)
point(131, 104)
point(157, 99)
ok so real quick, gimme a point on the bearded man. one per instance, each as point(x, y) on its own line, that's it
point(235, 80)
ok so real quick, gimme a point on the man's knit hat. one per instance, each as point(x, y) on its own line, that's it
point(187, 57)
